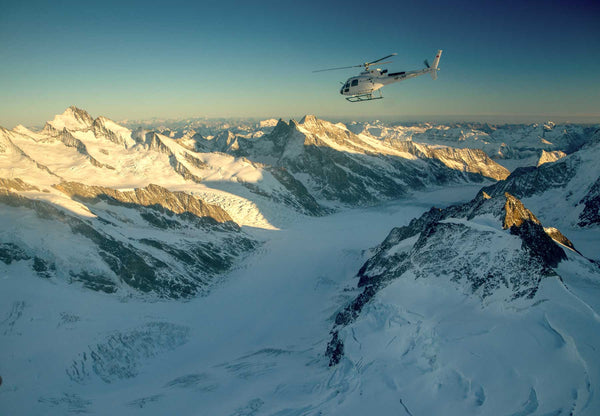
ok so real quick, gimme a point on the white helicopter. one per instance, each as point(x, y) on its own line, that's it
point(362, 87)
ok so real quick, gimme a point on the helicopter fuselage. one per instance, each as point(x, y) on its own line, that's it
point(372, 80)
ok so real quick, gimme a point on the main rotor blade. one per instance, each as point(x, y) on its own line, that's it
point(381, 59)
point(341, 67)
point(381, 63)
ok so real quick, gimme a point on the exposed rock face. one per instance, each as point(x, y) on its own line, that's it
point(73, 119)
point(516, 213)
point(540, 244)
point(100, 129)
point(225, 142)
point(17, 185)
point(150, 196)
point(460, 244)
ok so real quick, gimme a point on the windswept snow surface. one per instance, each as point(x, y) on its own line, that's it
point(255, 345)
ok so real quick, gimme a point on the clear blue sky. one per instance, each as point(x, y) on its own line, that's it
point(139, 59)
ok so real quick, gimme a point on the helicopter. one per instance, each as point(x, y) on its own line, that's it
point(361, 87)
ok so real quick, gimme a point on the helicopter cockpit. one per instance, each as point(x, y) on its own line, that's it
point(352, 82)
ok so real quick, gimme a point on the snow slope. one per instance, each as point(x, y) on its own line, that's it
point(256, 345)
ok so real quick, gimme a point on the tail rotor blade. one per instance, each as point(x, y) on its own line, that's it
point(426, 62)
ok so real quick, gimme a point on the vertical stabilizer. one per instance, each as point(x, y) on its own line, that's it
point(434, 66)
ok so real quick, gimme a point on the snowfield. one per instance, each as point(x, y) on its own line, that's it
point(255, 345)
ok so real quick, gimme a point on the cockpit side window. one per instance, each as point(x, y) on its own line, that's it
point(354, 82)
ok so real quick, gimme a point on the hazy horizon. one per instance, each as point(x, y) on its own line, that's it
point(498, 119)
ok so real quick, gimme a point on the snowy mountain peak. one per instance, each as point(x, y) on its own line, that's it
point(21, 129)
point(309, 119)
point(72, 119)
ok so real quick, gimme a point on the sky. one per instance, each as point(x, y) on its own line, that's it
point(503, 61)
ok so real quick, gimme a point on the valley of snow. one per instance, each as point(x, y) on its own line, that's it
point(255, 345)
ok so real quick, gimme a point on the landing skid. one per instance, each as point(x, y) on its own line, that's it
point(365, 97)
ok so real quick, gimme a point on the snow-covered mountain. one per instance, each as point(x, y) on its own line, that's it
point(464, 296)
point(215, 268)
point(462, 278)
point(75, 147)
point(302, 167)
point(337, 165)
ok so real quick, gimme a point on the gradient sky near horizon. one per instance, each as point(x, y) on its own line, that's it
point(509, 60)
